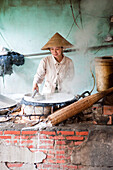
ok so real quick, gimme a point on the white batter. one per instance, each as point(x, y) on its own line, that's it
point(50, 98)
point(6, 102)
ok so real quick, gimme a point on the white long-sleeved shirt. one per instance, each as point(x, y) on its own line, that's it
point(55, 73)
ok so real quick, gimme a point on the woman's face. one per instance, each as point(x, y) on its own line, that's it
point(56, 51)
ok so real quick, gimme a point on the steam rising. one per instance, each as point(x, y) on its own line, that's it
point(95, 17)
point(95, 26)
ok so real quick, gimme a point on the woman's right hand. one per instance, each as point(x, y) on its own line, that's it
point(35, 87)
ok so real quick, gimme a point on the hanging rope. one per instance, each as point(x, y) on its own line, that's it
point(71, 27)
point(80, 13)
point(92, 77)
point(73, 15)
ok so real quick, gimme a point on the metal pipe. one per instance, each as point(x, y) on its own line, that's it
point(46, 53)
point(70, 50)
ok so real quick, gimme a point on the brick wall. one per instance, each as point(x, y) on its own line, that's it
point(63, 148)
point(56, 144)
point(108, 110)
point(105, 110)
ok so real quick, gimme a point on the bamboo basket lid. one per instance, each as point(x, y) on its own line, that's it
point(57, 41)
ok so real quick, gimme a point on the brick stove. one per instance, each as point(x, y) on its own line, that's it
point(81, 145)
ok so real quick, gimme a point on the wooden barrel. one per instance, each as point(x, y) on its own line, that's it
point(104, 72)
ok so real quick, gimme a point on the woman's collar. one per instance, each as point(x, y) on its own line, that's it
point(62, 61)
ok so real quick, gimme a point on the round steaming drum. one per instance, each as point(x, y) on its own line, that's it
point(46, 103)
point(104, 72)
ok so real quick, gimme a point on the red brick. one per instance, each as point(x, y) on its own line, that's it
point(74, 138)
point(60, 161)
point(12, 132)
point(19, 137)
point(38, 150)
point(15, 141)
point(50, 161)
point(48, 132)
point(60, 142)
point(14, 165)
point(60, 157)
point(31, 146)
point(48, 141)
point(5, 137)
point(26, 141)
point(60, 152)
point(41, 136)
point(8, 141)
point(69, 167)
point(65, 132)
point(51, 152)
point(50, 156)
point(108, 110)
point(60, 147)
point(57, 137)
point(46, 147)
point(77, 143)
point(82, 133)
point(47, 165)
point(1, 132)
point(53, 166)
point(28, 132)
point(24, 137)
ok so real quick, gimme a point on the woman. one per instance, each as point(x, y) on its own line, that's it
point(56, 69)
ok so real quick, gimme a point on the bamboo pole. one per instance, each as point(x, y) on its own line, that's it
point(77, 107)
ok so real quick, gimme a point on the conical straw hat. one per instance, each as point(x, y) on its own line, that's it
point(57, 41)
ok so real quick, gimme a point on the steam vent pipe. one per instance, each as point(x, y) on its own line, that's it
point(77, 107)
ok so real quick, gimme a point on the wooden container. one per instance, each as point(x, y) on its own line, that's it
point(104, 72)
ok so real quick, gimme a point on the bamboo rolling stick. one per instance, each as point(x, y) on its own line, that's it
point(77, 107)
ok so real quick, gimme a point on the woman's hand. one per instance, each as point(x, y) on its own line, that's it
point(35, 87)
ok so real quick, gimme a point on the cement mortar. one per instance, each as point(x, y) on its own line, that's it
point(98, 150)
